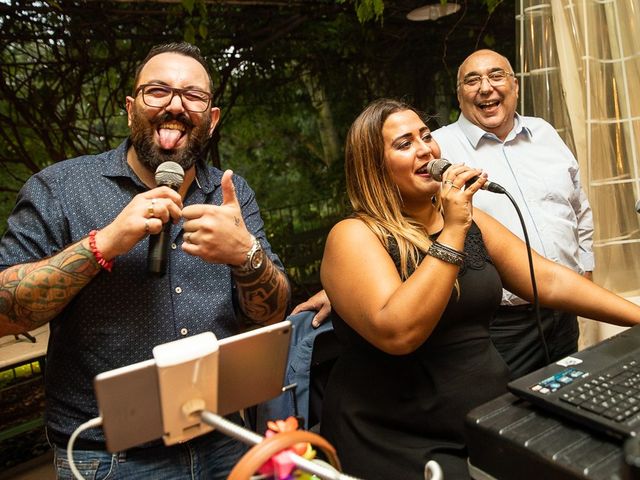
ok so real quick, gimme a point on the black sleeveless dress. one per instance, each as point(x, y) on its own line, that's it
point(388, 415)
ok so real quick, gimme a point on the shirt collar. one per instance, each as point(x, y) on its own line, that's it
point(116, 163)
point(207, 183)
point(474, 133)
point(117, 166)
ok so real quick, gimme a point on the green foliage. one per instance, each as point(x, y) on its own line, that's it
point(373, 9)
point(454, 113)
point(190, 33)
point(492, 4)
point(11, 178)
point(286, 79)
point(489, 41)
point(188, 5)
point(369, 10)
point(203, 30)
point(196, 21)
point(279, 153)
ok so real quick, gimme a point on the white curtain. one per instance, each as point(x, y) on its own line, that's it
point(579, 68)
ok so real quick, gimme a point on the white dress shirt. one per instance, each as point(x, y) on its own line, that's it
point(539, 171)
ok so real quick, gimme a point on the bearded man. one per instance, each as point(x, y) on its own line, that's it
point(75, 255)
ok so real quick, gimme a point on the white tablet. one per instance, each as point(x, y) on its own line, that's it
point(251, 370)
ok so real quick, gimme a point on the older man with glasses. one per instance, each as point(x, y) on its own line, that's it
point(527, 157)
point(76, 255)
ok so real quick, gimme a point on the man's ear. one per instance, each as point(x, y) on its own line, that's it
point(215, 117)
point(129, 106)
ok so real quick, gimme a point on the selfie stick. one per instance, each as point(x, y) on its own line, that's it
point(251, 438)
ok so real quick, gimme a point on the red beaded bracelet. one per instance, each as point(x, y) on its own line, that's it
point(107, 265)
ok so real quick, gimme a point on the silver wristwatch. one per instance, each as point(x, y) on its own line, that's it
point(255, 257)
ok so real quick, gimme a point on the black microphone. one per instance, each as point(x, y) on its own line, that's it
point(168, 174)
point(437, 167)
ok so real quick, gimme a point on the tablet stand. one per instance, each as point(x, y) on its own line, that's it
point(187, 380)
point(264, 448)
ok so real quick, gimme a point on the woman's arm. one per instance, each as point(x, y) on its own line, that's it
point(366, 290)
point(558, 287)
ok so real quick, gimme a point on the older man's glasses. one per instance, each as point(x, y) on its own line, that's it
point(159, 96)
point(495, 78)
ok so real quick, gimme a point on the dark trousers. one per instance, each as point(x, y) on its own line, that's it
point(514, 332)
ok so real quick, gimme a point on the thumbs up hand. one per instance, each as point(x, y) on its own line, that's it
point(228, 190)
point(217, 234)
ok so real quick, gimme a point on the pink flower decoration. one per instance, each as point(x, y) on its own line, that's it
point(281, 465)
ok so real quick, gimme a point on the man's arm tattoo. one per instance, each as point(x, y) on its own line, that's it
point(264, 295)
point(31, 294)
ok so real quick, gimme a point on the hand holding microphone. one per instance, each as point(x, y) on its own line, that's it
point(171, 175)
point(148, 213)
point(456, 192)
point(437, 167)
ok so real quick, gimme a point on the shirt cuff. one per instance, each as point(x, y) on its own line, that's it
point(588, 261)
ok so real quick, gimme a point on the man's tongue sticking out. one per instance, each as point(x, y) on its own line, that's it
point(169, 137)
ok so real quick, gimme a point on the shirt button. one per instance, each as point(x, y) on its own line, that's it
point(178, 290)
point(173, 246)
point(183, 331)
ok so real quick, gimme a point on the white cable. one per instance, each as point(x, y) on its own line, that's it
point(432, 471)
point(94, 422)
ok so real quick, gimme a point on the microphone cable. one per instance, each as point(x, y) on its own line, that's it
point(436, 169)
point(534, 287)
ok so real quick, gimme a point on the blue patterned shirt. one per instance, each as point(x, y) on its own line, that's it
point(120, 316)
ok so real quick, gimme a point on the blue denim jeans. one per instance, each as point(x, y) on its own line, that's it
point(209, 457)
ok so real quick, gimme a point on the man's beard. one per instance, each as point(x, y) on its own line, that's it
point(152, 155)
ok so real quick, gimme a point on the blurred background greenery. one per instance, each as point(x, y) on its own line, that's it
point(290, 77)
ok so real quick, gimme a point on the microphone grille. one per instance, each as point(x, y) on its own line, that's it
point(170, 174)
point(436, 167)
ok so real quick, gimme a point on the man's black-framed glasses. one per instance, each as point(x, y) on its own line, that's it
point(159, 96)
point(495, 78)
